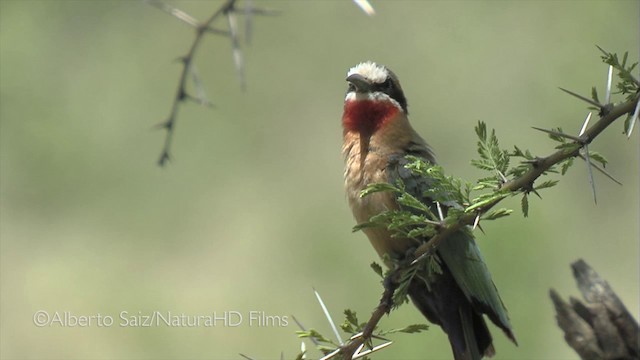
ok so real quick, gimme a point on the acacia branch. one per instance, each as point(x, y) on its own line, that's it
point(538, 167)
point(391, 283)
point(187, 60)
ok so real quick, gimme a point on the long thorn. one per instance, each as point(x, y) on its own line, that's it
point(235, 44)
point(201, 95)
point(439, 211)
point(604, 172)
point(365, 6)
point(248, 21)
point(585, 124)
point(557, 133)
point(357, 352)
point(594, 103)
point(419, 258)
point(634, 118)
point(607, 97)
point(331, 354)
point(476, 221)
point(328, 316)
point(177, 13)
point(591, 182)
point(367, 352)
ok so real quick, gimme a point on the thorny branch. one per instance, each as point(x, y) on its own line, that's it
point(608, 114)
point(538, 167)
point(229, 10)
point(384, 307)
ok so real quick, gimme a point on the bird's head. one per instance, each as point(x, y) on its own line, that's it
point(374, 97)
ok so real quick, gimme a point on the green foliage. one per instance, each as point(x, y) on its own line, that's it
point(377, 269)
point(492, 158)
point(411, 329)
point(351, 326)
point(627, 85)
point(524, 204)
point(312, 333)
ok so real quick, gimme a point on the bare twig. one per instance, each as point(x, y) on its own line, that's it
point(181, 93)
point(229, 11)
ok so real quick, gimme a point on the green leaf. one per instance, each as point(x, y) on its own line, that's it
point(312, 333)
point(566, 165)
point(377, 269)
point(525, 205)
point(410, 329)
point(496, 214)
point(377, 187)
point(492, 158)
point(546, 184)
point(598, 158)
point(568, 146)
point(486, 199)
point(350, 324)
point(351, 316)
point(594, 94)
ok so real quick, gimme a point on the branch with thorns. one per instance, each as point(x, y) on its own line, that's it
point(230, 11)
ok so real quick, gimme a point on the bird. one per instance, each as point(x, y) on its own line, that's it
point(377, 137)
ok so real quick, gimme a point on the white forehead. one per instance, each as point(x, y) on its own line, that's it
point(370, 70)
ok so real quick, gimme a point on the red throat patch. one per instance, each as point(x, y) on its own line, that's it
point(367, 116)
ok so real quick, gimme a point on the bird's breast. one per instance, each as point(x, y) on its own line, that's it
point(364, 165)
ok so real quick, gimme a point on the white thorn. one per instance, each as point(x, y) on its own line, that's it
point(634, 118)
point(328, 316)
point(365, 353)
point(584, 125)
point(440, 211)
point(476, 221)
point(607, 96)
point(177, 13)
point(357, 352)
point(365, 6)
point(591, 181)
point(330, 355)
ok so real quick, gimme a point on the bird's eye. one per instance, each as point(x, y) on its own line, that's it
point(387, 84)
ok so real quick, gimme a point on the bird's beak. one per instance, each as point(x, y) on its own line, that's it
point(360, 82)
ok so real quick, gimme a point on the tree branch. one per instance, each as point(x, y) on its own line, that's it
point(187, 60)
point(384, 307)
point(538, 167)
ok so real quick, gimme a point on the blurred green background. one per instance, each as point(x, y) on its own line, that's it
point(250, 214)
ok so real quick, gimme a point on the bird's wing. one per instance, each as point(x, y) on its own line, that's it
point(459, 252)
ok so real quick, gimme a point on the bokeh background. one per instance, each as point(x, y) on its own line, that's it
point(250, 214)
